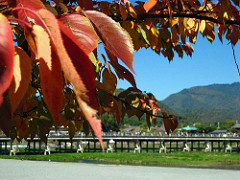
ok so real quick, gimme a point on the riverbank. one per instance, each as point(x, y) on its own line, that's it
point(177, 159)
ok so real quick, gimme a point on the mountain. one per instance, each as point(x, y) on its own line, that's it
point(217, 102)
point(216, 96)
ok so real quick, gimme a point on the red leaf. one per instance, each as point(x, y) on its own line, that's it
point(149, 4)
point(76, 66)
point(115, 39)
point(52, 86)
point(25, 15)
point(6, 118)
point(81, 75)
point(90, 115)
point(80, 72)
point(6, 55)
point(85, 4)
point(121, 71)
point(82, 28)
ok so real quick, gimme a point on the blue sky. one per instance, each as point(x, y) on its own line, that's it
point(211, 63)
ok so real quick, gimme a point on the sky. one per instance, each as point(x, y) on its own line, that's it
point(211, 63)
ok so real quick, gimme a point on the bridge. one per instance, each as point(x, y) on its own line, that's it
point(147, 144)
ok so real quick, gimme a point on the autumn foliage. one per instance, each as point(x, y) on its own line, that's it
point(55, 74)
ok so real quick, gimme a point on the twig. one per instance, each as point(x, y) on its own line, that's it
point(235, 60)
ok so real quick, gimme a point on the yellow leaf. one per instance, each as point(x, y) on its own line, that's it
point(202, 26)
point(154, 37)
point(43, 45)
point(181, 30)
point(21, 77)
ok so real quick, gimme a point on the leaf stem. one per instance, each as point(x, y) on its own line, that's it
point(20, 21)
point(34, 13)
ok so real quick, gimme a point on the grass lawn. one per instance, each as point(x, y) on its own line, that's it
point(192, 159)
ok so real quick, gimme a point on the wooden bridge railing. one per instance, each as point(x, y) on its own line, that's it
point(124, 144)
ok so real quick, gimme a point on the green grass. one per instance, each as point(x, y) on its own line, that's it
point(192, 159)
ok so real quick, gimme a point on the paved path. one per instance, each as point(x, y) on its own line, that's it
point(36, 170)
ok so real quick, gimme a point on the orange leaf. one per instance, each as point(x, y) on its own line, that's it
point(21, 78)
point(175, 37)
point(155, 107)
point(115, 39)
point(6, 55)
point(149, 4)
point(170, 122)
point(50, 72)
point(82, 29)
point(42, 42)
point(90, 115)
point(123, 11)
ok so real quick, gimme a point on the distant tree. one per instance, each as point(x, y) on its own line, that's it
point(55, 57)
point(109, 123)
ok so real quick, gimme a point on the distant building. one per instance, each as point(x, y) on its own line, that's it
point(236, 126)
point(219, 132)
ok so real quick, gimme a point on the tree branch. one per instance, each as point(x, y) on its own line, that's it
point(142, 17)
